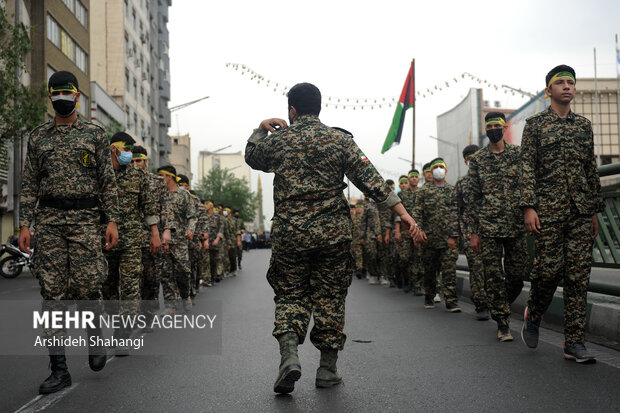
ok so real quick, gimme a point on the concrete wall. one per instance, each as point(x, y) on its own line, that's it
point(234, 162)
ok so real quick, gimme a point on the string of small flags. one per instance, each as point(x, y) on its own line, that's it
point(362, 103)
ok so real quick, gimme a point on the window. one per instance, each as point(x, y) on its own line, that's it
point(135, 89)
point(135, 122)
point(50, 71)
point(53, 31)
point(81, 13)
point(81, 60)
point(66, 45)
point(127, 83)
point(70, 5)
point(84, 107)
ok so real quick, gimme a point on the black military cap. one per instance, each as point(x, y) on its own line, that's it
point(62, 79)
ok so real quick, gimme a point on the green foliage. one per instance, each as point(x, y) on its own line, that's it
point(21, 107)
point(225, 188)
point(113, 127)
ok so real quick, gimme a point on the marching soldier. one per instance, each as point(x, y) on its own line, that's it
point(68, 172)
point(311, 267)
point(407, 252)
point(560, 197)
point(370, 233)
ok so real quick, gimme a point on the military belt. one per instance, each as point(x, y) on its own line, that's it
point(69, 204)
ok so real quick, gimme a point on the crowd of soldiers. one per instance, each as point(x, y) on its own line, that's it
point(548, 187)
point(108, 229)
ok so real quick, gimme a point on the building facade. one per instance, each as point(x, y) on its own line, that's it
point(233, 162)
point(129, 61)
point(180, 155)
point(61, 41)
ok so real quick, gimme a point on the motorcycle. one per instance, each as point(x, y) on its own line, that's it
point(12, 266)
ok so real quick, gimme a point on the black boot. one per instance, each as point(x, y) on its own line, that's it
point(97, 355)
point(60, 377)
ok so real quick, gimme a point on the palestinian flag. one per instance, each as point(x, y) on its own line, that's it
point(405, 102)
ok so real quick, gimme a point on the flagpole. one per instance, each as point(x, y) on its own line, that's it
point(413, 116)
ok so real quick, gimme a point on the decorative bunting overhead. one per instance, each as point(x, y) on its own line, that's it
point(361, 103)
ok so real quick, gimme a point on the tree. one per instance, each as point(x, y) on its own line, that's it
point(225, 188)
point(113, 127)
point(21, 108)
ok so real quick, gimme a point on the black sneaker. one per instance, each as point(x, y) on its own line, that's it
point(578, 352)
point(453, 308)
point(529, 332)
point(429, 303)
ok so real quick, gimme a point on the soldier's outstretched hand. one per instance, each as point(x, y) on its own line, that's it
point(270, 124)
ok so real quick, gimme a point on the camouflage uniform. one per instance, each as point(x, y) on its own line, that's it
point(385, 250)
point(493, 206)
point(561, 182)
point(225, 245)
point(176, 274)
point(240, 230)
point(153, 264)
point(432, 213)
point(311, 264)
point(356, 247)
point(232, 242)
point(405, 250)
point(194, 246)
point(369, 230)
point(459, 229)
point(136, 205)
point(215, 229)
point(69, 172)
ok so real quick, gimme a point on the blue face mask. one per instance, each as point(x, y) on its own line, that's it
point(125, 158)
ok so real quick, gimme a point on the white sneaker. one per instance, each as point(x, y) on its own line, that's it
point(384, 281)
point(437, 299)
point(372, 279)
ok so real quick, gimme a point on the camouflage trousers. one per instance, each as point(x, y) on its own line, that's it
point(151, 278)
point(418, 267)
point(312, 283)
point(405, 253)
point(440, 260)
point(225, 259)
point(124, 276)
point(358, 254)
point(195, 269)
point(371, 259)
point(215, 259)
point(384, 256)
point(476, 277)
point(563, 253)
point(176, 273)
point(205, 257)
point(70, 265)
point(503, 285)
point(232, 258)
point(239, 255)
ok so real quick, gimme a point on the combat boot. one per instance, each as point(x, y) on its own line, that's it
point(97, 356)
point(290, 368)
point(60, 377)
point(327, 374)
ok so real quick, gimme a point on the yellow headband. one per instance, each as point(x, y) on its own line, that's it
point(561, 75)
point(403, 180)
point(139, 156)
point(65, 88)
point(209, 203)
point(495, 121)
point(163, 171)
point(436, 164)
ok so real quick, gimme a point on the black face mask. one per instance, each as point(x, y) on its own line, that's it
point(495, 135)
point(62, 106)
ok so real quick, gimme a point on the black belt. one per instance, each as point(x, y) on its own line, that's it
point(69, 204)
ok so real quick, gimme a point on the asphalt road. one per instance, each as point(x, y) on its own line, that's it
point(398, 357)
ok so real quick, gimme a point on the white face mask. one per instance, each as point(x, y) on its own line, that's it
point(439, 174)
point(225, 213)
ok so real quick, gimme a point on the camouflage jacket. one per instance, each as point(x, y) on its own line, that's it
point(229, 231)
point(385, 216)
point(408, 199)
point(310, 161)
point(68, 162)
point(558, 166)
point(201, 222)
point(136, 206)
point(494, 195)
point(459, 213)
point(370, 225)
point(215, 228)
point(432, 213)
point(240, 224)
point(160, 193)
point(183, 214)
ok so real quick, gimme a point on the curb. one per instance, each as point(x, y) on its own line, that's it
point(602, 320)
